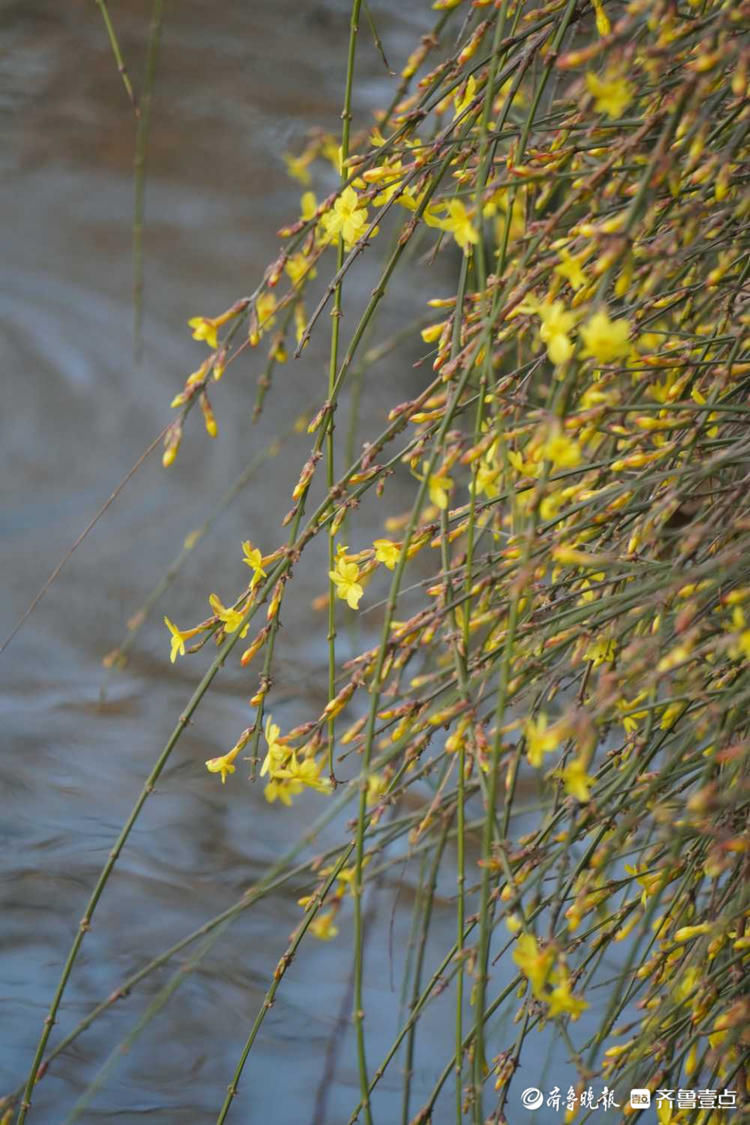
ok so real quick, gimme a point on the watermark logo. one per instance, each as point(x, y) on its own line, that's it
point(640, 1097)
point(532, 1098)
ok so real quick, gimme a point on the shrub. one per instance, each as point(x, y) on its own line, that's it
point(563, 611)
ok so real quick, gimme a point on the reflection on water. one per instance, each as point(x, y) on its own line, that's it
point(235, 88)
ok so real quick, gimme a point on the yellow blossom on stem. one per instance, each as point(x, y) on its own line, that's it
point(172, 439)
point(346, 579)
point(298, 166)
point(230, 618)
point(387, 552)
point(204, 329)
point(664, 1112)
point(376, 786)
point(488, 475)
point(577, 781)
point(687, 933)
point(306, 772)
point(282, 790)
point(687, 983)
point(323, 926)
point(630, 717)
point(225, 764)
point(573, 556)
point(540, 739)
point(207, 327)
point(605, 339)
point(555, 331)
point(460, 225)
point(209, 418)
point(298, 266)
point(347, 219)
point(336, 705)
point(535, 964)
point(603, 25)
point(561, 1000)
point(255, 647)
point(571, 270)
point(612, 95)
point(439, 486)
point(601, 651)
point(263, 318)
point(308, 205)
point(178, 640)
point(254, 559)
point(277, 752)
point(562, 451)
point(462, 102)
point(741, 647)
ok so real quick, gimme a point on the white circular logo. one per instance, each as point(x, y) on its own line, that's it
point(532, 1098)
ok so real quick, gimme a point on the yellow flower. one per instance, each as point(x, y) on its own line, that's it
point(391, 176)
point(297, 166)
point(630, 721)
point(672, 714)
point(178, 640)
point(561, 450)
point(540, 739)
point(387, 552)
point(571, 269)
point(577, 781)
point(651, 883)
point(603, 25)
point(204, 329)
point(231, 618)
point(561, 1000)
point(550, 505)
point(687, 933)
point(462, 103)
point(298, 266)
point(741, 646)
point(277, 752)
point(612, 95)
point(573, 556)
point(264, 318)
point(376, 786)
point(487, 480)
point(601, 651)
point(308, 205)
point(347, 219)
point(533, 963)
point(306, 772)
point(556, 326)
point(439, 486)
point(664, 1112)
point(323, 927)
point(225, 764)
point(687, 984)
point(460, 225)
point(253, 558)
point(605, 339)
point(346, 579)
point(282, 790)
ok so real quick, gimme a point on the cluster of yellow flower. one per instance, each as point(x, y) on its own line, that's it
point(581, 461)
point(548, 977)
